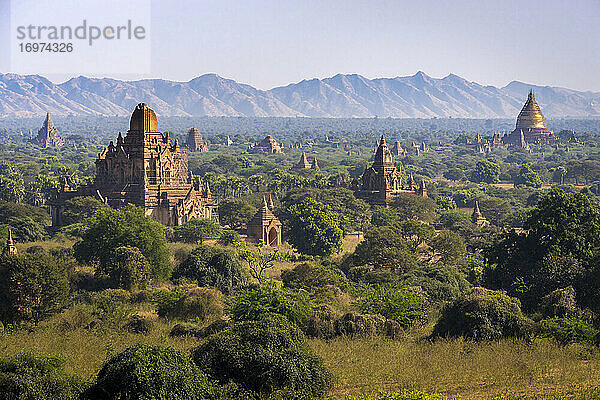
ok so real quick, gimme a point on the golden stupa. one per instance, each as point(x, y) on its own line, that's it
point(531, 115)
point(530, 127)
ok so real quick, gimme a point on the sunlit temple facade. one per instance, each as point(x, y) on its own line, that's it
point(144, 168)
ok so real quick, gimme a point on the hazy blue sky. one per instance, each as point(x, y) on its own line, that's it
point(271, 43)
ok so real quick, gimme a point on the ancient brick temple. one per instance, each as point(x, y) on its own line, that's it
point(48, 135)
point(382, 182)
point(530, 127)
point(265, 227)
point(266, 146)
point(144, 168)
point(195, 142)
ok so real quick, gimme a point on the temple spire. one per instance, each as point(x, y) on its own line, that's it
point(10, 249)
point(270, 202)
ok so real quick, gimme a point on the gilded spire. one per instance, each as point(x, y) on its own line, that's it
point(531, 115)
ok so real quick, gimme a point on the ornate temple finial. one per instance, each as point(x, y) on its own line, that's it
point(264, 203)
point(382, 142)
point(271, 202)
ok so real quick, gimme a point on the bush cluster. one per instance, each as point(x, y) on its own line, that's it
point(483, 315)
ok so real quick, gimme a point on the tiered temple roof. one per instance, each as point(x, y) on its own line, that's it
point(48, 135)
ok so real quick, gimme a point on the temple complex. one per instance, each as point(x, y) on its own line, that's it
point(145, 169)
point(265, 227)
point(530, 127)
point(266, 146)
point(195, 142)
point(48, 135)
point(382, 182)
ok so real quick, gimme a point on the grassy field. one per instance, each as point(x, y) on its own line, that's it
point(360, 365)
point(469, 370)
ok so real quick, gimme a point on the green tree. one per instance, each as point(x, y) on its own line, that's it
point(127, 226)
point(528, 177)
point(196, 230)
point(314, 229)
point(445, 203)
point(487, 171)
point(255, 302)
point(449, 247)
point(354, 214)
point(260, 261)
point(409, 206)
point(211, 266)
point(385, 247)
point(454, 174)
point(79, 209)
point(34, 286)
point(405, 305)
point(130, 269)
point(235, 212)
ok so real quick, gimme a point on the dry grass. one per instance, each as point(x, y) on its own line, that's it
point(86, 351)
point(469, 370)
point(360, 365)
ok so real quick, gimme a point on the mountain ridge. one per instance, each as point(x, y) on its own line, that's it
point(339, 96)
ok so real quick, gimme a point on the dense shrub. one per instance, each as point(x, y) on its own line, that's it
point(186, 329)
point(559, 303)
point(254, 302)
point(126, 226)
point(351, 324)
point(483, 315)
point(211, 266)
point(267, 356)
point(29, 376)
point(385, 247)
point(151, 372)
point(196, 230)
point(140, 323)
point(130, 269)
point(194, 330)
point(33, 287)
point(191, 303)
point(323, 324)
point(567, 330)
point(310, 276)
point(440, 284)
point(404, 305)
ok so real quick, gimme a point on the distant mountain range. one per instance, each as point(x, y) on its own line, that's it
point(341, 96)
